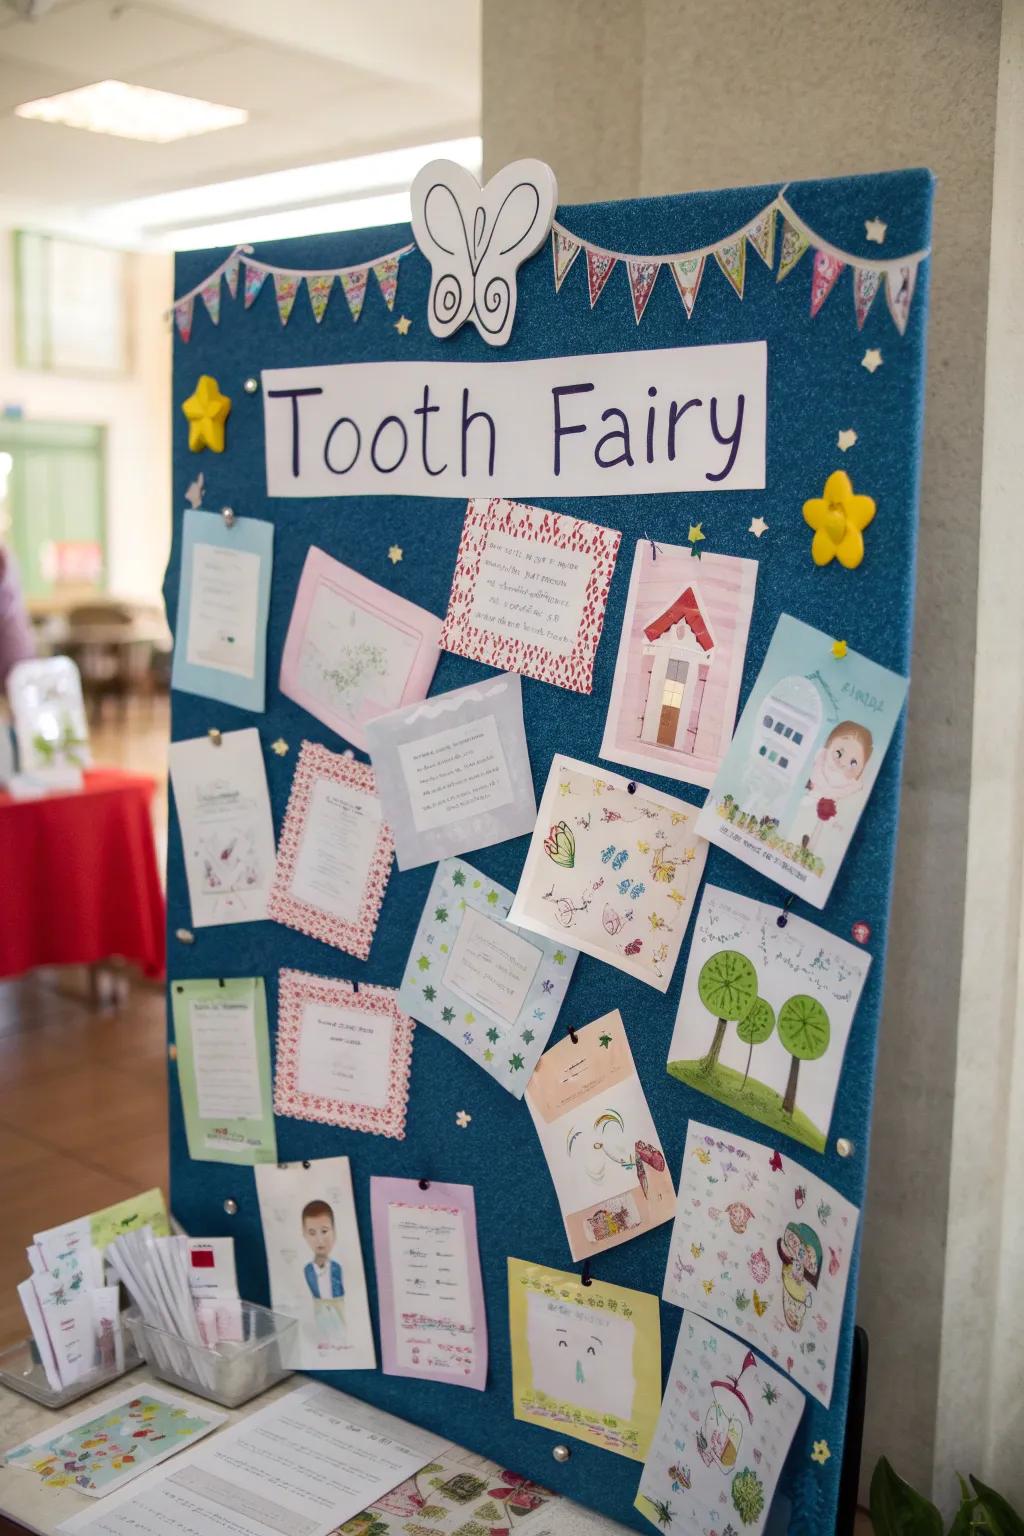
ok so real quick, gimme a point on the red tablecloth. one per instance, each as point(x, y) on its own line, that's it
point(78, 877)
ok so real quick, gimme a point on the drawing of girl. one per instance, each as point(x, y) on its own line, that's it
point(800, 1252)
point(836, 773)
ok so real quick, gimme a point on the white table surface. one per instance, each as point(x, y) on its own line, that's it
point(25, 1500)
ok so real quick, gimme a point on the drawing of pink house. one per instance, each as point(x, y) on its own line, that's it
point(677, 661)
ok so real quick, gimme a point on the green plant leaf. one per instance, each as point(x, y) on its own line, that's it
point(1000, 1519)
point(899, 1510)
point(963, 1520)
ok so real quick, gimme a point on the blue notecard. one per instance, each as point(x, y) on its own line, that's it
point(220, 639)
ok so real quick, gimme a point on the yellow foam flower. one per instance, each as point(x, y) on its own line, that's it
point(838, 517)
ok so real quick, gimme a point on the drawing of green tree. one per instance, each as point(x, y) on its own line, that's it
point(755, 1030)
point(727, 986)
point(804, 1031)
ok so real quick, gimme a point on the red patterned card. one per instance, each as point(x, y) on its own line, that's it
point(529, 592)
point(343, 1057)
point(334, 853)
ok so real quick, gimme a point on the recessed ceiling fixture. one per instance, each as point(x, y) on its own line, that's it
point(133, 112)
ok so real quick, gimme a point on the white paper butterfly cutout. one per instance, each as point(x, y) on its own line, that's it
point(475, 239)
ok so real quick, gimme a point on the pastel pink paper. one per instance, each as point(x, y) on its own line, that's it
point(385, 1192)
point(385, 605)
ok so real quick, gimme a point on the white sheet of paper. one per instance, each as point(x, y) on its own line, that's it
point(531, 591)
point(338, 843)
point(490, 966)
point(345, 1054)
point(349, 654)
point(455, 773)
point(224, 1056)
point(580, 1356)
point(429, 1269)
point(226, 829)
point(224, 609)
point(301, 1466)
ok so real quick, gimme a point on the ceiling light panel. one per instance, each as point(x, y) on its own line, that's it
point(133, 112)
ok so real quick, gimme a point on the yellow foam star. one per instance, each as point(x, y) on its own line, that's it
point(872, 359)
point(280, 746)
point(821, 1452)
point(838, 517)
point(402, 325)
point(206, 410)
point(838, 649)
point(395, 553)
point(696, 533)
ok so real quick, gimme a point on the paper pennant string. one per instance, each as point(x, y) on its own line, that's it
point(254, 280)
point(319, 290)
point(761, 235)
point(642, 277)
point(386, 273)
point(286, 286)
point(688, 272)
point(353, 286)
point(599, 270)
point(732, 258)
point(183, 318)
point(231, 275)
point(899, 291)
point(564, 250)
point(866, 283)
point(794, 243)
point(210, 295)
point(826, 271)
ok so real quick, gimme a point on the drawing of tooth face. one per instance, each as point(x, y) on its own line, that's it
point(602, 1149)
point(581, 1356)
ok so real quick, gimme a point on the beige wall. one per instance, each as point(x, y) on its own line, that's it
point(135, 412)
point(666, 95)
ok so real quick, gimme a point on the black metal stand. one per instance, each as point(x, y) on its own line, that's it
point(849, 1477)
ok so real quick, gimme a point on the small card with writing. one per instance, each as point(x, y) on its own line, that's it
point(334, 858)
point(227, 835)
point(432, 1320)
point(529, 591)
point(491, 989)
point(453, 772)
point(343, 1057)
point(223, 599)
point(223, 1052)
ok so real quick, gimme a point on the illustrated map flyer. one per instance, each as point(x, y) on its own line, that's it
point(432, 1319)
point(586, 1359)
point(223, 1050)
point(227, 835)
point(493, 990)
point(343, 1057)
point(614, 873)
point(453, 772)
point(765, 1013)
point(762, 1247)
point(725, 1428)
point(680, 661)
point(805, 756)
point(315, 1260)
point(599, 1139)
point(529, 592)
point(223, 600)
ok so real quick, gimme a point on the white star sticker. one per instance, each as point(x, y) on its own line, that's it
point(871, 360)
point(875, 229)
point(757, 527)
point(846, 439)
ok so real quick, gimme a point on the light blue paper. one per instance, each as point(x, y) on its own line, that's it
point(246, 535)
point(506, 1048)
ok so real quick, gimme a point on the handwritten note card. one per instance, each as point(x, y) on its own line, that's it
point(529, 591)
point(223, 1054)
point(223, 600)
point(491, 966)
point(227, 836)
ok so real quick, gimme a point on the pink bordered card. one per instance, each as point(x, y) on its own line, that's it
point(343, 1056)
point(354, 650)
point(529, 592)
point(334, 853)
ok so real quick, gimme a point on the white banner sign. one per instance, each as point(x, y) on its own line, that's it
point(622, 423)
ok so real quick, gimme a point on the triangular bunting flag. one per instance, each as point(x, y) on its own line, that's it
point(286, 286)
point(564, 250)
point(794, 243)
point(210, 295)
point(642, 277)
point(599, 270)
point(254, 280)
point(761, 235)
point(732, 258)
point(688, 272)
point(899, 290)
point(386, 273)
point(866, 283)
point(319, 290)
point(353, 286)
point(231, 275)
point(823, 279)
point(183, 318)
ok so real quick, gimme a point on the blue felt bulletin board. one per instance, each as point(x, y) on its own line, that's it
point(818, 385)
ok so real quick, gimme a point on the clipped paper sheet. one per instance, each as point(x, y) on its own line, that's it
point(223, 1049)
point(227, 834)
point(220, 639)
